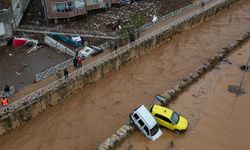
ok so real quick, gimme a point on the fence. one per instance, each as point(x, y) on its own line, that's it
point(174, 13)
point(31, 98)
point(61, 66)
point(53, 70)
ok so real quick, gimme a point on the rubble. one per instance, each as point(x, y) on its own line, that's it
point(105, 21)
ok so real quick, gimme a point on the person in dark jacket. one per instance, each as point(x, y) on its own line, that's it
point(6, 91)
point(75, 62)
point(66, 72)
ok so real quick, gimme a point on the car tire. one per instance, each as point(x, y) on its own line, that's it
point(177, 131)
point(131, 121)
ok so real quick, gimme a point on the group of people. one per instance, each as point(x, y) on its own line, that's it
point(4, 99)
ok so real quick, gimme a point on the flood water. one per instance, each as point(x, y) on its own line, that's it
point(218, 119)
point(86, 119)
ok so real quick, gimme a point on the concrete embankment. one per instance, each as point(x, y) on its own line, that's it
point(83, 78)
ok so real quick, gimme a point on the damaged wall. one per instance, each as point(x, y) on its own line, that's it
point(115, 61)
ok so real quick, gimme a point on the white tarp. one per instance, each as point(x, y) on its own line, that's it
point(54, 44)
point(76, 38)
point(2, 30)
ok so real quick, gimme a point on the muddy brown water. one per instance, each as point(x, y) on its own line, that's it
point(218, 119)
point(86, 119)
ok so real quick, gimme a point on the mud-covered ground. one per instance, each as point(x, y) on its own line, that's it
point(104, 21)
point(19, 68)
point(86, 119)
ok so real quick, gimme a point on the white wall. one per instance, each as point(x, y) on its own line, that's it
point(2, 29)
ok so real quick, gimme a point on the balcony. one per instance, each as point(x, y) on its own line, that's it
point(67, 13)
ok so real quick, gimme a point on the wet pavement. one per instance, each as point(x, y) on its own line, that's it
point(86, 119)
point(19, 69)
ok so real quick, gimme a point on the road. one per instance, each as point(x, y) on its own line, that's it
point(86, 119)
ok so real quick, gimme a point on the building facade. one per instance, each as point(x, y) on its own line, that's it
point(56, 9)
point(11, 13)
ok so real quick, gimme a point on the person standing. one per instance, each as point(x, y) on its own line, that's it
point(66, 73)
point(6, 91)
point(4, 101)
point(79, 61)
point(75, 62)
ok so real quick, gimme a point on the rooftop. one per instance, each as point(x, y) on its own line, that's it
point(4, 4)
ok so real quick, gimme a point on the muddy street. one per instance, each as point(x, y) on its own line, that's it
point(19, 68)
point(218, 119)
point(86, 119)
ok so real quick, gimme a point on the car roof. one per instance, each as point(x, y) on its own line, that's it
point(161, 110)
point(146, 116)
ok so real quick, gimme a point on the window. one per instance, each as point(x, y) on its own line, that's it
point(141, 123)
point(136, 116)
point(63, 7)
point(175, 117)
point(59, 7)
point(146, 129)
point(163, 118)
point(154, 130)
point(70, 6)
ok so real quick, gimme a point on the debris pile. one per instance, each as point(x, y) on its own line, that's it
point(105, 21)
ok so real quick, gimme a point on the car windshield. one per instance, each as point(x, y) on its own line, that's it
point(175, 117)
point(154, 130)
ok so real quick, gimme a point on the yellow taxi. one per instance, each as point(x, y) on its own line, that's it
point(169, 118)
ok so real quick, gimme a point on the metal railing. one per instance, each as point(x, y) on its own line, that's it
point(31, 98)
point(53, 70)
point(169, 15)
point(46, 73)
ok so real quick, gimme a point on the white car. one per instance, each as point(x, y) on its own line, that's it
point(146, 123)
point(86, 52)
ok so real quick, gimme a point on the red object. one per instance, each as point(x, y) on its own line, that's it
point(18, 42)
point(4, 102)
point(79, 60)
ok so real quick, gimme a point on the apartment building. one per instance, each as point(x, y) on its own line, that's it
point(11, 13)
point(70, 8)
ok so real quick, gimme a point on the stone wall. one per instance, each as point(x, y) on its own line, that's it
point(134, 50)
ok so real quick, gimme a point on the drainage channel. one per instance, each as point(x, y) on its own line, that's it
point(180, 87)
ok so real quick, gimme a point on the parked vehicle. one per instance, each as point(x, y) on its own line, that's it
point(97, 51)
point(146, 123)
point(86, 52)
point(169, 118)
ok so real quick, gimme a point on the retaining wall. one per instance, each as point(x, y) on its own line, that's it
point(31, 105)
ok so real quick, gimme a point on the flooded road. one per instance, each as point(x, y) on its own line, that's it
point(89, 117)
point(218, 119)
